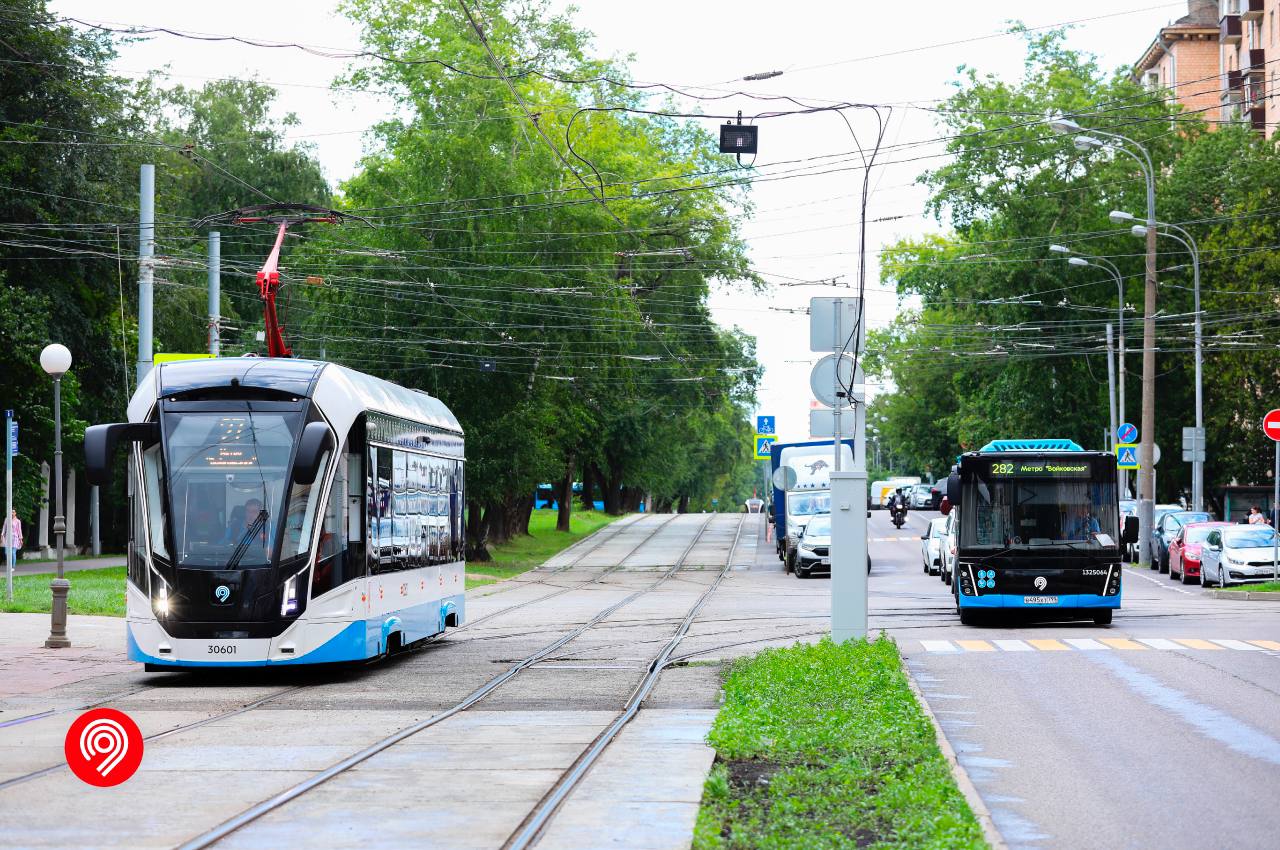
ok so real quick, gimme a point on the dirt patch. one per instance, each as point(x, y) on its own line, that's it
point(752, 773)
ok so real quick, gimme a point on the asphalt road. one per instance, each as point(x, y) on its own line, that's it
point(1159, 731)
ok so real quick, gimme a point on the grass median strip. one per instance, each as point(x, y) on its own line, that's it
point(824, 746)
point(1264, 587)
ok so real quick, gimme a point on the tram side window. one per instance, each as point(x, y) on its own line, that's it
point(456, 507)
point(335, 558)
point(381, 545)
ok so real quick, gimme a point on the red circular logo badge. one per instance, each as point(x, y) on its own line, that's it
point(103, 747)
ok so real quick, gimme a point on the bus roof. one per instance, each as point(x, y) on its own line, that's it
point(1052, 444)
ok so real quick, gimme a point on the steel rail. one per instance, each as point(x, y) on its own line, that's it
point(531, 829)
point(222, 830)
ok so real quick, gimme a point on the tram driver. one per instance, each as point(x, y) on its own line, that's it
point(242, 519)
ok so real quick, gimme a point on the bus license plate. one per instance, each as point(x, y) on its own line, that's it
point(1040, 600)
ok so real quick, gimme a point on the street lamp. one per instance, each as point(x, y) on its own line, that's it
point(56, 360)
point(1146, 479)
point(1079, 260)
point(1183, 236)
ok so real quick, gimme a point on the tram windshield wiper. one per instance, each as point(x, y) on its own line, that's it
point(251, 532)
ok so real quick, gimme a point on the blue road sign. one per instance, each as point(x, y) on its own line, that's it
point(13, 438)
point(765, 425)
point(764, 445)
point(1127, 457)
point(1127, 433)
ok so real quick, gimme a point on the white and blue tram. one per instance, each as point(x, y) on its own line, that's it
point(285, 512)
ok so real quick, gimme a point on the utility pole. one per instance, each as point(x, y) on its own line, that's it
point(146, 265)
point(215, 291)
point(1146, 448)
point(1111, 387)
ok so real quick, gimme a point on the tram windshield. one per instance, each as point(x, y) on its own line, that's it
point(227, 478)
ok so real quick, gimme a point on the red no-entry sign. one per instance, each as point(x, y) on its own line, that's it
point(1271, 424)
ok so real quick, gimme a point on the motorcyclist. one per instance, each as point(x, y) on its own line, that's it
point(897, 502)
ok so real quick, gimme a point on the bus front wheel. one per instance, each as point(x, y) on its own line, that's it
point(1103, 617)
point(968, 617)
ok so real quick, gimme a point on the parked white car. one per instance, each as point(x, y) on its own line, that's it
point(932, 543)
point(949, 546)
point(1231, 555)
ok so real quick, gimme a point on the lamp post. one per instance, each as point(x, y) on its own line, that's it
point(1080, 260)
point(1094, 140)
point(1183, 236)
point(56, 360)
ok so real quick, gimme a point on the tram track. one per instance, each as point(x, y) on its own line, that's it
point(248, 816)
point(288, 691)
point(531, 829)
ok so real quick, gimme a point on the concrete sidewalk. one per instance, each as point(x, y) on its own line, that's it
point(27, 667)
point(35, 568)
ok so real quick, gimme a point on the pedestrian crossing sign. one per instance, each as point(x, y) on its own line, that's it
point(1126, 455)
point(764, 445)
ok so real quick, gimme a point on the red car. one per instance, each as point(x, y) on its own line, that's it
point(1184, 550)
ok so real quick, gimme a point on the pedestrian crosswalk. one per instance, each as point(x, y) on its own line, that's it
point(1102, 644)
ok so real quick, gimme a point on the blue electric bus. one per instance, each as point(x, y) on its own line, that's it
point(1039, 528)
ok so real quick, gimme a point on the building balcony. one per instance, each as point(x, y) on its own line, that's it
point(1235, 80)
point(1257, 62)
point(1258, 118)
point(1229, 30)
point(1252, 10)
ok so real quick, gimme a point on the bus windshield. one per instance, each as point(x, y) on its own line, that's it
point(226, 482)
point(1036, 512)
point(808, 504)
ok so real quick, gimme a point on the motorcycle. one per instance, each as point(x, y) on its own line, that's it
point(899, 514)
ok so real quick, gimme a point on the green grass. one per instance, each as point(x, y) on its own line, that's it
point(102, 591)
point(121, 556)
point(92, 592)
point(824, 746)
point(1265, 587)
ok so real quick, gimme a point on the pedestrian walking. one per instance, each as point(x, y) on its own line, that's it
point(11, 536)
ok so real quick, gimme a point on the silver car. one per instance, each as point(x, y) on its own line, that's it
point(949, 546)
point(1231, 555)
point(922, 496)
point(814, 552)
point(932, 544)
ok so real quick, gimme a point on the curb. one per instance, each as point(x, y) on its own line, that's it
point(1246, 595)
point(992, 835)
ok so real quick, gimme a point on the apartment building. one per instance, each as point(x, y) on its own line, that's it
point(1214, 61)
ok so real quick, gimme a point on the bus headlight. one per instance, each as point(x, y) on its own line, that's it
point(289, 602)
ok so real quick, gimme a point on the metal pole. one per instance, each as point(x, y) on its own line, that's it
point(8, 504)
point(1146, 453)
point(838, 304)
point(215, 291)
point(1120, 377)
point(1111, 387)
point(1275, 519)
point(146, 265)
point(58, 629)
point(95, 531)
point(1197, 461)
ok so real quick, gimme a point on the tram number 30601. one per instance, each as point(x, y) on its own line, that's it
point(222, 649)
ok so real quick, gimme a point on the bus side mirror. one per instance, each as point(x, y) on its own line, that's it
point(953, 489)
point(1130, 533)
point(100, 443)
point(312, 445)
point(945, 505)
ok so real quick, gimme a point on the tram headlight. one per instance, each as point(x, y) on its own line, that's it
point(289, 602)
point(161, 601)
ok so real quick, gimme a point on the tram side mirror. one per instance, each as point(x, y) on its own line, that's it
point(100, 443)
point(945, 505)
point(315, 441)
point(1130, 533)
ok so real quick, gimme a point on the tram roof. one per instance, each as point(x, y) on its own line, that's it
point(328, 383)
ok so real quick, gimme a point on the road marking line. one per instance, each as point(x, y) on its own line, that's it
point(1266, 644)
point(938, 646)
point(976, 646)
point(1088, 644)
point(1122, 643)
point(1235, 644)
point(1013, 646)
point(1049, 645)
point(1196, 643)
point(1159, 643)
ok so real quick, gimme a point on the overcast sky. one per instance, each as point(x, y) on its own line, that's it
point(839, 50)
